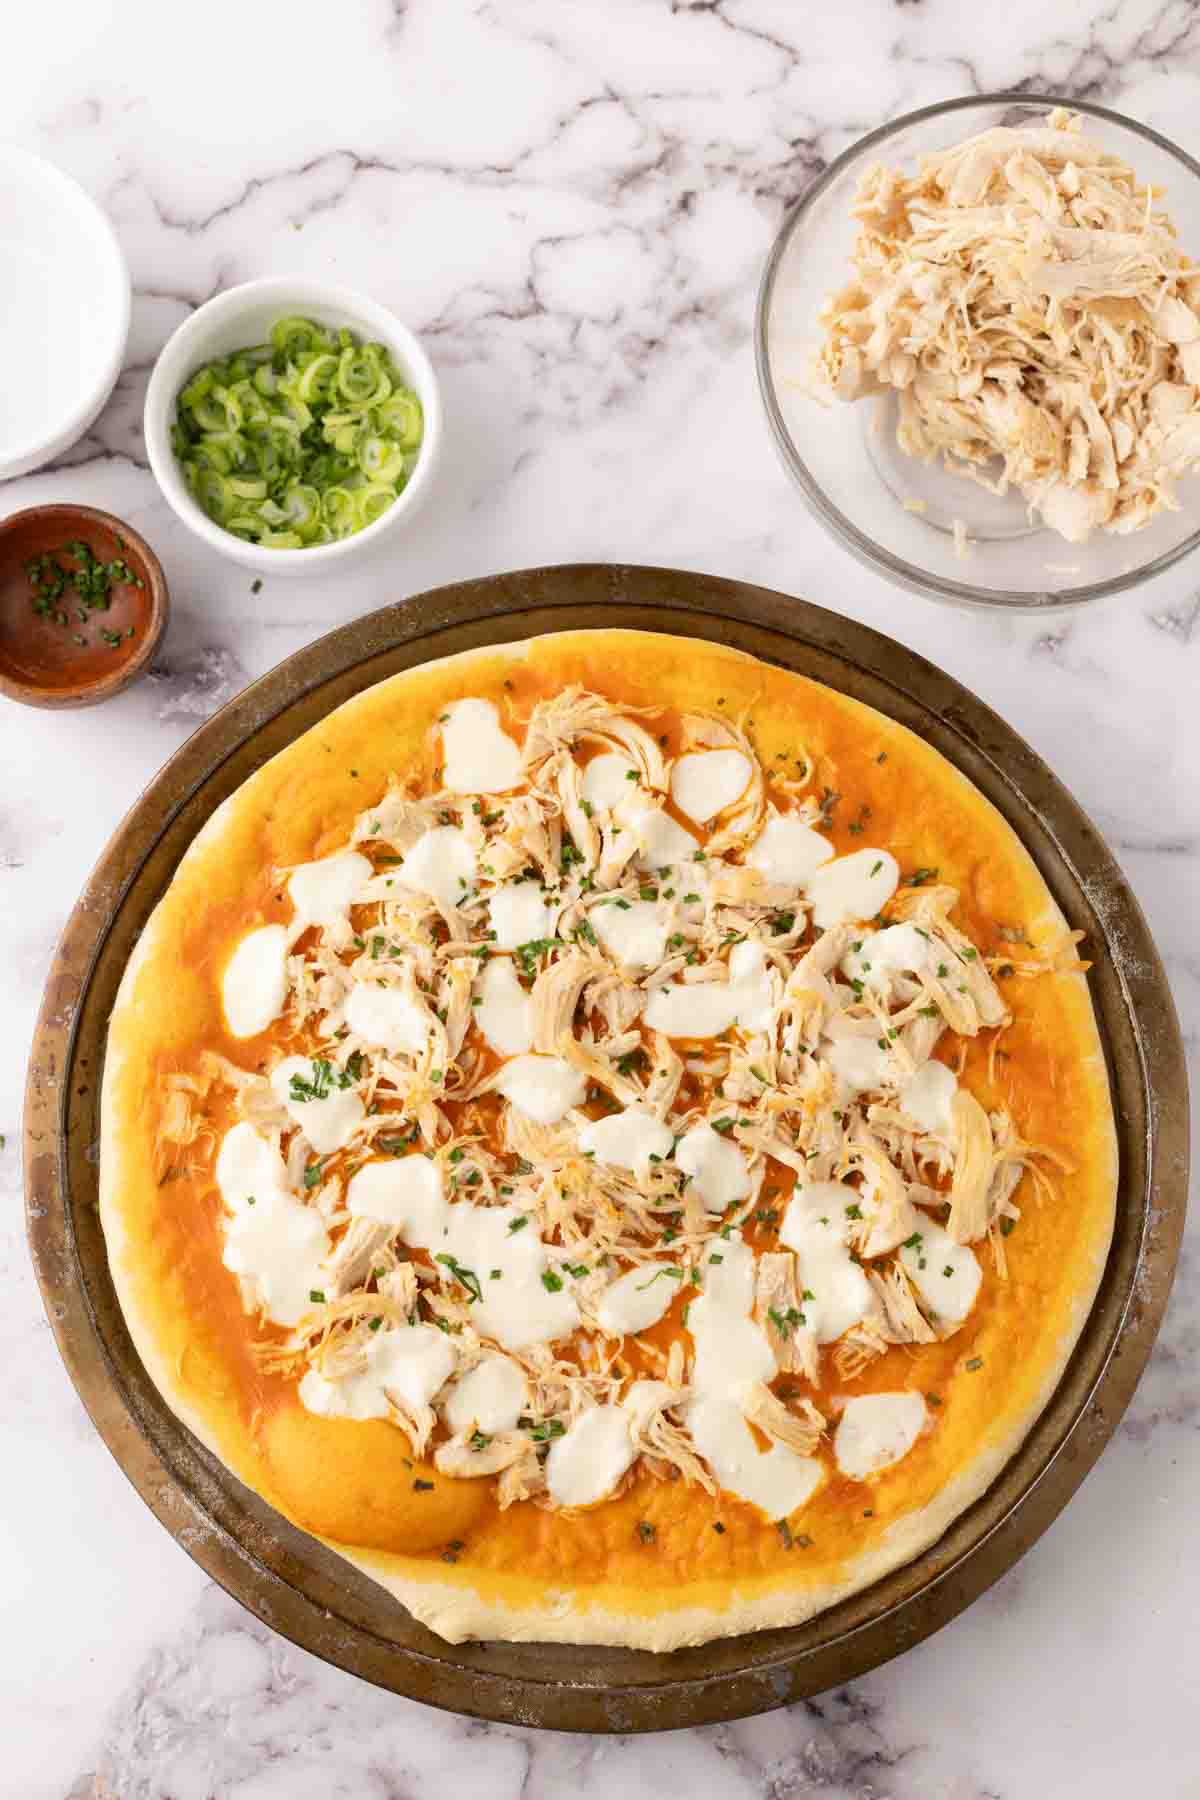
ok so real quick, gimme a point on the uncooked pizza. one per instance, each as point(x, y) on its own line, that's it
point(611, 1137)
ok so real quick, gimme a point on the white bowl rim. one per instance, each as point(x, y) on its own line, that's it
point(48, 443)
point(916, 579)
point(292, 293)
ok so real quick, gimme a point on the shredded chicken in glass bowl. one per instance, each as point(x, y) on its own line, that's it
point(978, 343)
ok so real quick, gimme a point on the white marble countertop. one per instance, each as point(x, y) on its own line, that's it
point(571, 202)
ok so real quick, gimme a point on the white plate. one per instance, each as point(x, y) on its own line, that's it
point(64, 301)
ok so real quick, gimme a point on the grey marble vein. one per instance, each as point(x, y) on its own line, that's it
point(1179, 621)
point(229, 1709)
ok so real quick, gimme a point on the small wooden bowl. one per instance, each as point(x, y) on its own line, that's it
point(42, 663)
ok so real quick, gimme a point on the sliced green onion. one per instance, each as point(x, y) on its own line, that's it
point(379, 459)
point(253, 407)
point(222, 450)
point(292, 337)
point(267, 459)
point(361, 377)
point(337, 505)
point(316, 380)
point(302, 440)
point(207, 413)
point(227, 400)
point(373, 502)
point(400, 415)
point(300, 411)
point(212, 491)
point(302, 504)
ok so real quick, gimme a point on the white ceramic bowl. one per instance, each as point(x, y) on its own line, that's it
point(64, 301)
point(239, 318)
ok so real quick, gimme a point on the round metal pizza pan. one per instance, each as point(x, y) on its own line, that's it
point(314, 1598)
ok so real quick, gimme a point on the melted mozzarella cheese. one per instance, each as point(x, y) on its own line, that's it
point(705, 782)
point(441, 864)
point(323, 892)
point(517, 1308)
point(505, 1010)
point(718, 1169)
point(928, 1098)
point(876, 1430)
point(405, 1191)
point(691, 889)
point(254, 985)
point(410, 1362)
point(896, 950)
point(946, 1275)
point(272, 1241)
point(631, 930)
point(731, 1352)
point(479, 758)
point(788, 852)
point(703, 1009)
point(817, 1228)
point(508, 1259)
point(607, 780)
point(587, 1462)
point(327, 1123)
point(627, 1139)
point(248, 1166)
point(691, 1009)
point(518, 913)
point(861, 1063)
point(852, 887)
point(660, 839)
point(386, 1017)
point(730, 1347)
point(491, 1398)
point(751, 986)
point(542, 1087)
point(778, 1481)
point(637, 1299)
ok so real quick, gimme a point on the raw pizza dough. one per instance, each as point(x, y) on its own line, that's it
point(790, 1403)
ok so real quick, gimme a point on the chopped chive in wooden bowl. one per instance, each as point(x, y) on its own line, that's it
point(70, 593)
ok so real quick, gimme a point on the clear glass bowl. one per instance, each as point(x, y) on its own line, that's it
point(844, 457)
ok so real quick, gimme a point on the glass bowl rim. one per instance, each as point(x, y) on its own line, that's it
point(912, 575)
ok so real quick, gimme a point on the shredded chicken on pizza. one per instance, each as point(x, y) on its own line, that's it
point(604, 1122)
